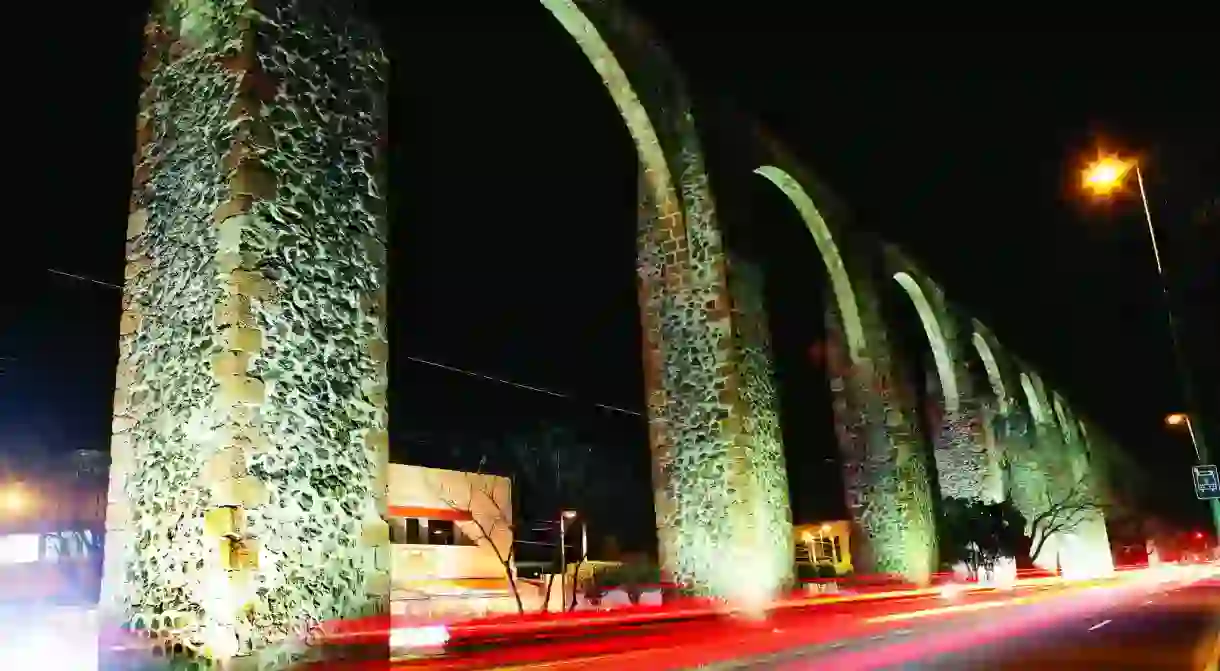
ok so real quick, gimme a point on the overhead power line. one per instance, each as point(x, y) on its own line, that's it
point(426, 362)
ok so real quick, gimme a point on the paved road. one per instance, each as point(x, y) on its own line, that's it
point(1163, 627)
point(1133, 624)
point(1172, 629)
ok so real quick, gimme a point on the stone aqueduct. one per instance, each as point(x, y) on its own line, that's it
point(250, 447)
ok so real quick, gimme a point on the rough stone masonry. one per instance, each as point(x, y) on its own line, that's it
point(250, 446)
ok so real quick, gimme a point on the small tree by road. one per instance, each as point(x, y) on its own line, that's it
point(491, 520)
point(978, 534)
point(1063, 514)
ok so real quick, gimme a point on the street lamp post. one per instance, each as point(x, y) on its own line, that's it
point(564, 517)
point(1183, 419)
point(1103, 177)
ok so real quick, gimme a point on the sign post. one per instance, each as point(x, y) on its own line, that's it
point(1207, 481)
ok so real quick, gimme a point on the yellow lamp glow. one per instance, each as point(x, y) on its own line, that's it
point(13, 500)
point(1105, 175)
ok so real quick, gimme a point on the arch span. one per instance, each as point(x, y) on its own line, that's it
point(635, 115)
point(1063, 415)
point(840, 282)
point(1036, 407)
point(991, 363)
point(1039, 387)
point(936, 338)
point(741, 503)
point(890, 501)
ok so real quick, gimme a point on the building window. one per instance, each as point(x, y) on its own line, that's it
point(420, 531)
point(445, 532)
point(823, 550)
point(405, 531)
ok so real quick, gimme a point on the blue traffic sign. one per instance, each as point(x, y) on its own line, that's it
point(1207, 481)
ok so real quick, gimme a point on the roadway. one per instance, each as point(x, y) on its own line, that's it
point(1171, 629)
point(1174, 626)
point(1118, 624)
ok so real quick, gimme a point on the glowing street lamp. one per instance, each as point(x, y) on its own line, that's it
point(1182, 419)
point(1103, 177)
point(13, 500)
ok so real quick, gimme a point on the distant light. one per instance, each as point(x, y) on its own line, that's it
point(569, 514)
point(825, 528)
point(13, 500)
point(1106, 174)
point(1176, 418)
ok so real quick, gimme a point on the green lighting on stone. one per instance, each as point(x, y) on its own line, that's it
point(249, 453)
point(715, 471)
point(887, 487)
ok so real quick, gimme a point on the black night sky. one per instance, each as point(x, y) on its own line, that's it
point(513, 204)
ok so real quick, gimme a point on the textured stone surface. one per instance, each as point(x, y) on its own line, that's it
point(760, 396)
point(889, 491)
point(959, 448)
point(250, 443)
point(711, 475)
point(252, 353)
point(885, 477)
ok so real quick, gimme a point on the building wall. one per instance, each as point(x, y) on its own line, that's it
point(479, 505)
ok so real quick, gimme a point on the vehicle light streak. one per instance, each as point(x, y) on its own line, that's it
point(945, 610)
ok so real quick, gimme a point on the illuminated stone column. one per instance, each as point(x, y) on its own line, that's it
point(250, 450)
point(885, 475)
point(760, 398)
point(956, 419)
point(716, 530)
point(721, 529)
point(886, 481)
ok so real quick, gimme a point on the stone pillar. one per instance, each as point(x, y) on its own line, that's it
point(717, 531)
point(250, 448)
point(963, 462)
point(886, 480)
point(760, 398)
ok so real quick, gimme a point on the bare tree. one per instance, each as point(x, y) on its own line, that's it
point(1063, 514)
point(557, 467)
point(490, 519)
point(553, 470)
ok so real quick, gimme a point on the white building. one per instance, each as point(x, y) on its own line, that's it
point(450, 535)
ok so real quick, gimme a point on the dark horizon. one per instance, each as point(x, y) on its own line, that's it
point(513, 209)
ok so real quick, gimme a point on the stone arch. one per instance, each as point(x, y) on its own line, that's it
point(715, 486)
point(1044, 401)
point(635, 114)
point(1037, 408)
point(936, 337)
point(1085, 446)
point(1063, 415)
point(987, 354)
point(840, 282)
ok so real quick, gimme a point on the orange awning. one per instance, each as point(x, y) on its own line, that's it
point(431, 513)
